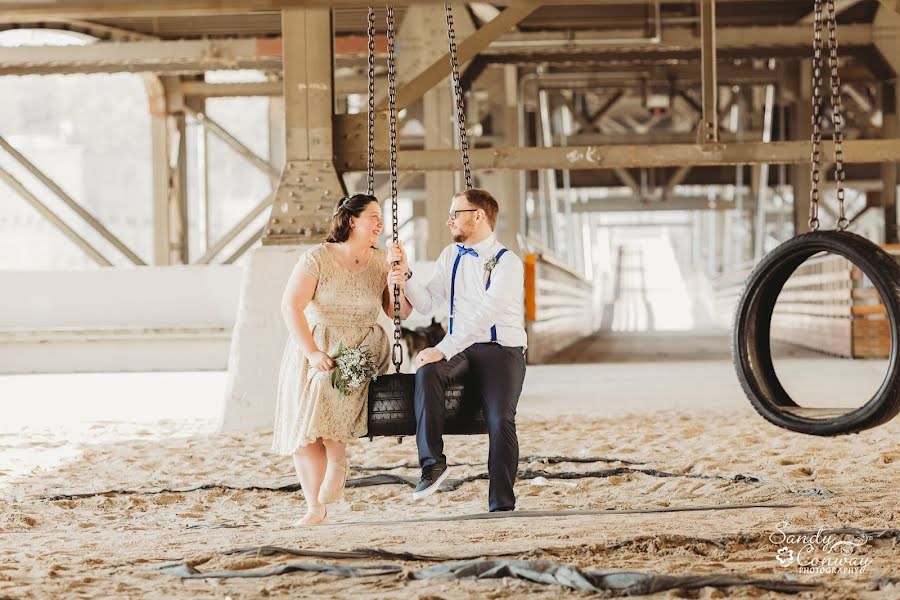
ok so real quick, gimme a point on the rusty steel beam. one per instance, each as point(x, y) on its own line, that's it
point(467, 50)
point(632, 156)
point(150, 8)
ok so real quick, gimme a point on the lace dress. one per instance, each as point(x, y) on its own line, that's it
point(344, 309)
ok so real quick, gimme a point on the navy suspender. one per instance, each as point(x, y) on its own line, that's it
point(459, 256)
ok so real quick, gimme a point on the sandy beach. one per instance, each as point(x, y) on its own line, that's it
point(113, 506)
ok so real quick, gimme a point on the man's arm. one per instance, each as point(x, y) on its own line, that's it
point(507, 286)
point(426, 298)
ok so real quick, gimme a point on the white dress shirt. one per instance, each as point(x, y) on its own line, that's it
point(475, 309)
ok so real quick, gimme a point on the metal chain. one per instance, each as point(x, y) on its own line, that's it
point(836, 115)
point(457, 89)
point(370, 159)
point(397, 351)
point(816, 156)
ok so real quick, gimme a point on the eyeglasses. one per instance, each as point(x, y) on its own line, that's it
point(455, 213)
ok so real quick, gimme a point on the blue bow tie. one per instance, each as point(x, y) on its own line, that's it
point(464, 250)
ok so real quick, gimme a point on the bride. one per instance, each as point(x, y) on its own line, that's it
point(332, 298)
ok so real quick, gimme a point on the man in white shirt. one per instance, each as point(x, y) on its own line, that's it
point(484, 285)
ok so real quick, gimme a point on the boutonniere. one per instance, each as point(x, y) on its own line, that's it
point(489, 264)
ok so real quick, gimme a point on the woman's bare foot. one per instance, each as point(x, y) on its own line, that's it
point(335, 480)
point(316, 515)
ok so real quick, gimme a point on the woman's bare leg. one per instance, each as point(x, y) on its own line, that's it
point(336, 472)
point(310, 462)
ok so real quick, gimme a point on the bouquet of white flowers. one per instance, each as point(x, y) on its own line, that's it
point(353, 367)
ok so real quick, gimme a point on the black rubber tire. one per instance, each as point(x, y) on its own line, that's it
point(751, 350)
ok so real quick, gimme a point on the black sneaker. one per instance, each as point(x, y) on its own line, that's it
point(432, 478)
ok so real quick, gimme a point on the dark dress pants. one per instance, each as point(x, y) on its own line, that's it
point(498, 373)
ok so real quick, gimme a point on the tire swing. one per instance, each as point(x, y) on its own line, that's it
point(391, 407)
point(751, 350)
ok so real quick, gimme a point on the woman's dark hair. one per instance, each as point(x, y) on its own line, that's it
point(351, 206)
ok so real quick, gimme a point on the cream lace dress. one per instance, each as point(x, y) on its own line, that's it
point(344, 309)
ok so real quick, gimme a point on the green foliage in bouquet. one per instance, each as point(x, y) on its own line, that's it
point(353, 367)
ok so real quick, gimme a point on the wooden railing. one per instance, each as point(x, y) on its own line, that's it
point(560, 307)
point(827, 305)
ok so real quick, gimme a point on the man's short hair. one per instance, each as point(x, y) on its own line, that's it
point(482, 199)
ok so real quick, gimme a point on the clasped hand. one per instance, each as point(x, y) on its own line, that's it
point(321, 361)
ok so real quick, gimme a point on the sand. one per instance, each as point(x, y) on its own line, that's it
point(112, 545)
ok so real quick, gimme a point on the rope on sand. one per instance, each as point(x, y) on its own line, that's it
point(452, 484)
point(721, 542)
point(531, 514)
point(258, 551)
point(389, 478)
point(615, 583)
point(549, 460)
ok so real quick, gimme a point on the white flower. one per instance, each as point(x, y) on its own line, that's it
point(490, 263)
point(353, 368)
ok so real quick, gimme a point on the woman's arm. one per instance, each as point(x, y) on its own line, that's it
point(387, 300)
point(299, 292)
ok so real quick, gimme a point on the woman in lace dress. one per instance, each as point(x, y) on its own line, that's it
point(333, 296)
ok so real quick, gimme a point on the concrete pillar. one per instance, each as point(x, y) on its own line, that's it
point(169, 157)
point(301, 212)
point(159, 137)
point(180, 247)
point(198, 104)
point(276, 131)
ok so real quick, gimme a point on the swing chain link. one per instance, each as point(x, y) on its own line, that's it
point(457, 89)
point(836, 115)
point(397, 350)
point(370, 158)
point(816, 117)
point(836, 111)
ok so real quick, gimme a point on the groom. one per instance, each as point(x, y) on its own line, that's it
point(484, 285)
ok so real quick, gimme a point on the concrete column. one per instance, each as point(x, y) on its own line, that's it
point(198, 104)
point(276, 131)
point(159, 137)
point(300, 216)
point(169, 170)
point(180, 249)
